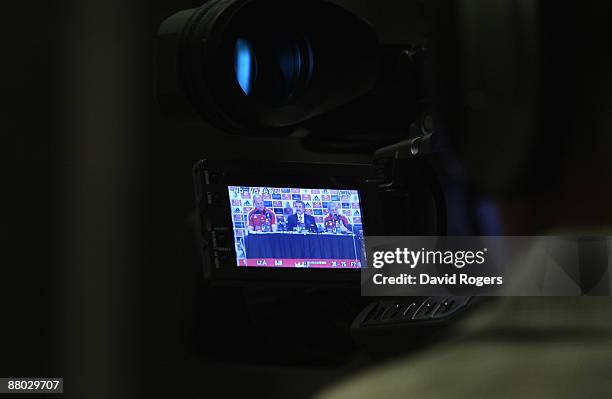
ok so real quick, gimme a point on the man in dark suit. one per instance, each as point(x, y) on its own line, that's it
point(299, 218)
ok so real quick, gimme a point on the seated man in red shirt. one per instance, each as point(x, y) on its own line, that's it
point(334, 221)
point(261, 218)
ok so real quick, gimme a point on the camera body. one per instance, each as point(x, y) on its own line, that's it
point(262, 68)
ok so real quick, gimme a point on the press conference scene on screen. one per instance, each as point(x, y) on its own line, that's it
point(296, 227)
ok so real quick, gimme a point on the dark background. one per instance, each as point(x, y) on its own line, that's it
point(96, 280)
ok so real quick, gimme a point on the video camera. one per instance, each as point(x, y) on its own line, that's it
point(314, 70)
point(255, 67)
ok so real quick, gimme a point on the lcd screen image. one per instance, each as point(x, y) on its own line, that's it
point(296, 227)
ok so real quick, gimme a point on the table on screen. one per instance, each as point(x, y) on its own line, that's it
point(304, 246)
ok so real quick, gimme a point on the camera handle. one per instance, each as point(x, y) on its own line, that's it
point(407, 176)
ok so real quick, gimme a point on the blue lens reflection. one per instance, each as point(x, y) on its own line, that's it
point(282, 67)
point(245, 65)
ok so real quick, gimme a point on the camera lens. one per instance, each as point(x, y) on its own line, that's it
point(265, 66)
point(245, 65)
point(273, 70)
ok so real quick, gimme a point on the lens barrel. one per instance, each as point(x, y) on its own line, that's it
point(265, 66)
